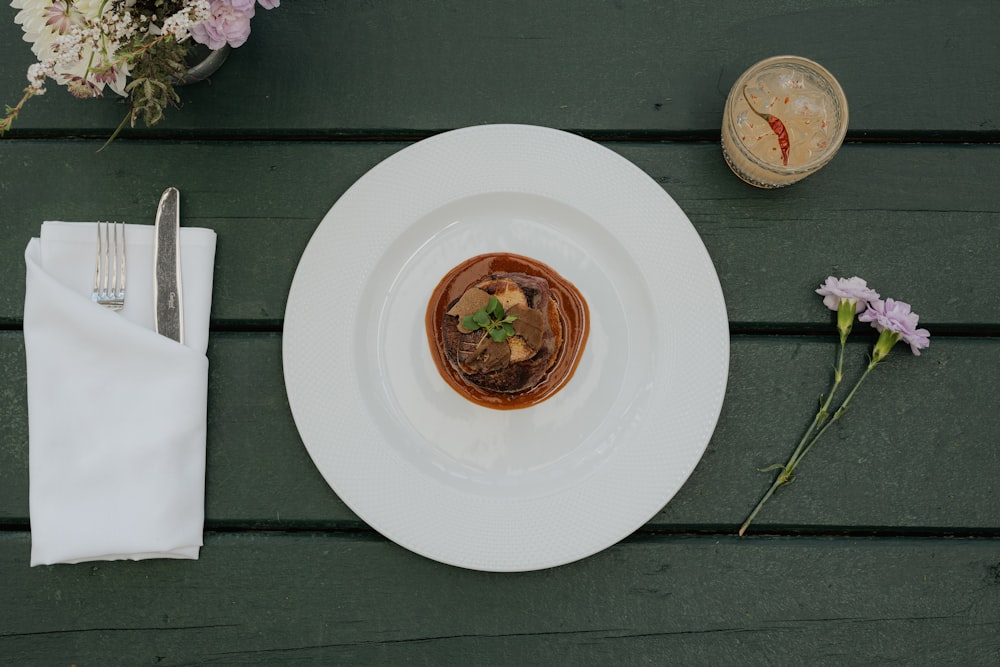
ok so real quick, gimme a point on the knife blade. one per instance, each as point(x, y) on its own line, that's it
point(168, 305)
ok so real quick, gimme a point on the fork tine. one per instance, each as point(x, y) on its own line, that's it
point(122, 274)
point(107, 260)
point(97, 267)
point(115, 263)
point(109, 269)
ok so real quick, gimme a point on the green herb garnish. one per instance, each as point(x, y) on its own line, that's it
point(492, 318)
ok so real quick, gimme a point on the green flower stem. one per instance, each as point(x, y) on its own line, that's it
point(840, 411)
point(820, 420)
point(806, 444)
point(13, 112)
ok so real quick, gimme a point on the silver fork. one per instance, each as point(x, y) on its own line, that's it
point(109, 273)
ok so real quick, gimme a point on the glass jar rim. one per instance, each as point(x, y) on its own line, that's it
point(835, 92)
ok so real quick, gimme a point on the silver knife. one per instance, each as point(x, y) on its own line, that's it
point(168, 308)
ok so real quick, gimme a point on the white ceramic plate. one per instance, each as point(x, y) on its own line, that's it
point(515, 489)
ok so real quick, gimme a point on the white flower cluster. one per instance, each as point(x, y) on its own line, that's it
point(193, 13)
point(79, 44)
point(65, 54)
point(36, 79)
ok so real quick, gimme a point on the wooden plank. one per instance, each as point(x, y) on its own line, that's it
point(264, 211)
point(307, 599)
point(920, 222)
point(915, 455)
point(912, 454)
point(652, 68)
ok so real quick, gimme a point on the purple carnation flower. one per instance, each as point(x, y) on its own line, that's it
point(896, 317)
point(836, 290)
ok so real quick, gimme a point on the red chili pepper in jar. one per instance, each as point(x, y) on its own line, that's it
point(776, 126)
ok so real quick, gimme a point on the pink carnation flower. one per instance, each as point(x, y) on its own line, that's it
point(228, 23)
point(896, 317)
point(855, 290)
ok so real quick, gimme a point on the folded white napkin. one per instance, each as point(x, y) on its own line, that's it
point(116, 412)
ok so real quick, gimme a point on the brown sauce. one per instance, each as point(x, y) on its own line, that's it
point(573, 315)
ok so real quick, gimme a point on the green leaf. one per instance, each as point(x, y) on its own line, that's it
point(481, 318)
point(469, 324)
point(498, 335)
point(495, 308)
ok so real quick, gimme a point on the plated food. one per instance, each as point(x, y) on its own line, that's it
point(505, 490)
point(506, 331)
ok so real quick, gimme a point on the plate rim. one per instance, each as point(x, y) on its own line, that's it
point(438, 147)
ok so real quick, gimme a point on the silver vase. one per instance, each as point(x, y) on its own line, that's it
point(206, 67)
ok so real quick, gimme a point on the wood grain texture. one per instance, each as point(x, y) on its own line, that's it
point(920, 222)
point(916, 455)
point(342, 67)
point(262, 599)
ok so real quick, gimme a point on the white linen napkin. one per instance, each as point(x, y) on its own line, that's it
point(116, 412)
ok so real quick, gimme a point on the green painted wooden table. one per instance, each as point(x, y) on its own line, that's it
point(886, 549)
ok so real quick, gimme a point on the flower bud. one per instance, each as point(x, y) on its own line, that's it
point(884, 344)
point(845, 317)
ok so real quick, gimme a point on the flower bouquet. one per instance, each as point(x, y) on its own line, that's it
point(137, 48)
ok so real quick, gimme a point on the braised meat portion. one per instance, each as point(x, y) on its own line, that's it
point(494, 358)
